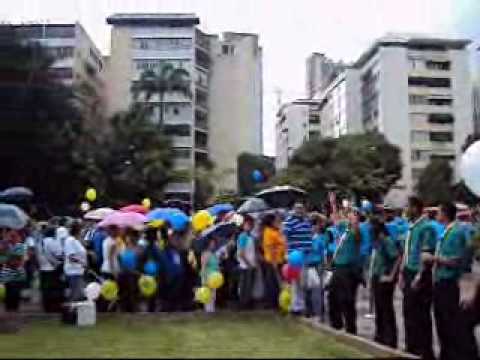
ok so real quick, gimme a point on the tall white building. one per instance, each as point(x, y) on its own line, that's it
point(415, 89)
point(224, 112)
point(297, 122)
point(320, 72)
point(76, 59)
point(235, 103)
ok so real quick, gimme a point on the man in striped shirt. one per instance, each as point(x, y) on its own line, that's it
point(298, 231)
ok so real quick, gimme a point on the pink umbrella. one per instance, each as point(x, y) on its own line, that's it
point(123, 220)
point(140, 209)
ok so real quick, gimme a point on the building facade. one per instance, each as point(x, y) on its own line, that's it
point(235, 103)
point(222, 117)
point(416, 90)
point(297, 122)
point(77, 61)
point(320, 72)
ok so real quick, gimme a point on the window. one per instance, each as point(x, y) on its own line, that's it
point(202, 59)
point(314, 119)
point(444, 136)
point(177, 130)
point(147, 64)
point(313, 135)
point(225, 49)
point(179, 153)
point(429, 82)
point(201, 140)
point(417, 99)
point(440, 119)
point(443, 157)
point(440, 102)
point(67, 31)
point(162, 43)
point(438, 65)
point(420, 155)
point(419, 136)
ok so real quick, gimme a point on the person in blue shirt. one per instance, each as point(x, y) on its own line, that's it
point(315, 259)
point(298, 231)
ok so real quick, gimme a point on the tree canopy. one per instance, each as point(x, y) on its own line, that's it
point(247, 164)
point(352, 165)
point(435, 183)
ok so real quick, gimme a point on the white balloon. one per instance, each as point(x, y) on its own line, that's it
point(92, 291)
point(470, 168)
point(85, 206)
point(237, 219)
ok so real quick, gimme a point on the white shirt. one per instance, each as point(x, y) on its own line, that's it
point(74, 249)
point(49, 253)
point(107, 267)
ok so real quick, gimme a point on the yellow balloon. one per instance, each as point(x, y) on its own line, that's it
point(109, 290)
point(203, 295)
point(147, 203)
point(91, 194)
point(285, 299)
point(147, 285)
point(3, 292)
point(215, 280)
point(202, 220)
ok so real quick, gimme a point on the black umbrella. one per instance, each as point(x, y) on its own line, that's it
point(253, 205)
point(282, 196)
point(16, 194)
point(223, 232)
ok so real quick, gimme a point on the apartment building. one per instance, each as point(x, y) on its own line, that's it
point(221, 118)
point(320, 72)
point(77, 60)
point(415, 89)
point(297, 122)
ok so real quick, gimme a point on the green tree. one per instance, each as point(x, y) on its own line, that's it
point(168, 80)
point(247, 164)
point(39, 126)
point(434, 185)
point(133, 161)
point(355, 165)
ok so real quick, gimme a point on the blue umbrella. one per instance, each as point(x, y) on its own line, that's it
point(12, 217)
point(162, 213)
point(16, 194)
point(220, 208)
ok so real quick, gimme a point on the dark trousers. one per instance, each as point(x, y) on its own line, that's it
point(12, 297)
point(446, 309)
point(417, 307)
point(385, 321)
point(52, 289)
point(272, 285)
point(128, 291)
point(469, 318)
point(342, 298)
point(245, 287)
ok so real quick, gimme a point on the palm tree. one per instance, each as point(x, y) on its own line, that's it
point(168, 80)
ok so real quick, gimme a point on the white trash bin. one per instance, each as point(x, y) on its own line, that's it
point(86, 313)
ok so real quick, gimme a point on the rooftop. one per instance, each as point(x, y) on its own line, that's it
point(165, 19)
point(410, 39)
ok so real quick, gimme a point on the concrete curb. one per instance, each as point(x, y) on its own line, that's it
point(366, 345)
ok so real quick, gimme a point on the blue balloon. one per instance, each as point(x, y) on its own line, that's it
point(257, 176)
point(128, 260)
point(150, 268)
point(295, 259)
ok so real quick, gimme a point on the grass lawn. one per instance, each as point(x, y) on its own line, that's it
point(221, 335)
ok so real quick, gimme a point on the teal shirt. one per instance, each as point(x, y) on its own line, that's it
point(348, 252)
point(385, 256)
point(421, 237)
point(211, 266)
point(452, 245)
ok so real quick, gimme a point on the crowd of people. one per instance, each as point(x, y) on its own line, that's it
point(342, 248)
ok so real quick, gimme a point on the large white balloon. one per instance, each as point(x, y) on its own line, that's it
point(470, 168)
point(92, 291)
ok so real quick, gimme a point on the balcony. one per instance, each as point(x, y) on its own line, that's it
point(182, 141)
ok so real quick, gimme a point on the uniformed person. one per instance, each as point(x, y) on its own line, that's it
point(416, 281)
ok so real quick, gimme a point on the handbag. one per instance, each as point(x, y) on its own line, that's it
point(312, 278)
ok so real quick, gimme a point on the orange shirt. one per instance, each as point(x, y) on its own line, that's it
point(274, 246)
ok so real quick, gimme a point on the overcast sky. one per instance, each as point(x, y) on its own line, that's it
point(289, 29)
